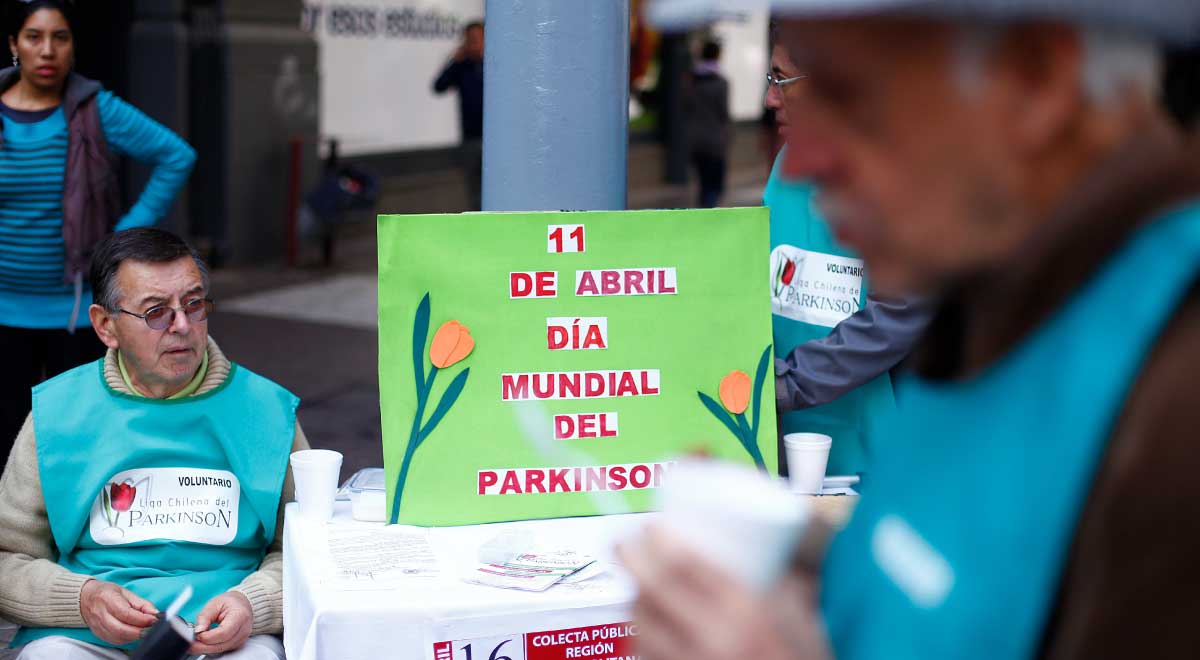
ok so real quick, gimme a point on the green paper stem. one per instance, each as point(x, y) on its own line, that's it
point(417, 435)
point(448, 399)
point(411, 448)
point(750, 442)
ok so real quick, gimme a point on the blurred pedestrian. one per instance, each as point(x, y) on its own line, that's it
point(835, 341)
point(464, 72)
point(61, 134)
point(709, 128)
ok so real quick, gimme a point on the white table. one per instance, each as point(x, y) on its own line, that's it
point(435, 618)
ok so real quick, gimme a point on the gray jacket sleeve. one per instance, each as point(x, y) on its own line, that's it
point(865, 345)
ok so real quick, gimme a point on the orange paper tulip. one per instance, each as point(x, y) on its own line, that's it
point(451, 344)
point(735, 392)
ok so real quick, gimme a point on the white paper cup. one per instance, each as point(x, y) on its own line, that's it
point(737, 517)
point(807, 456)
point(316, 474)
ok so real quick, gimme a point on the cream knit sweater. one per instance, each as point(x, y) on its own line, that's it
point(35, 591)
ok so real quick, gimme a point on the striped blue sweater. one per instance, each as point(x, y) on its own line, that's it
point(32, 160)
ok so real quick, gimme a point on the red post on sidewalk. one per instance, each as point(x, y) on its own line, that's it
point(293, 201)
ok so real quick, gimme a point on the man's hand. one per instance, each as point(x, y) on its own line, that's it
point(689, 609)
point(115, 614)
point(234, 616)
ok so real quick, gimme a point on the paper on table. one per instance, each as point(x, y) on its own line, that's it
point(592, 570)
point(379, 553)
point(530, 571)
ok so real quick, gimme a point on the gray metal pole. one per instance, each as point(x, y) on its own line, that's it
point(555, 105)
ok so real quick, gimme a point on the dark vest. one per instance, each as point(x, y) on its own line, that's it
point(91, 202)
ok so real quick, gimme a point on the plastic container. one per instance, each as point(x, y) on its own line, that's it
point(368, 495)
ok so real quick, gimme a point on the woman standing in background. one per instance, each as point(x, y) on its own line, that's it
point(60, 134)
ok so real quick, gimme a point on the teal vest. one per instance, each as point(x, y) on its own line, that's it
point(796, 224)
point(958, 548)
point(156, 494)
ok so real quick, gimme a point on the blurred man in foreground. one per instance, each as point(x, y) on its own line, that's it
point(1013, 159)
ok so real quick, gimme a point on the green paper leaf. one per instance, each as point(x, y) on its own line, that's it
point(759, 379)
point(420, 333)
point(448, 399)
point(719, 412)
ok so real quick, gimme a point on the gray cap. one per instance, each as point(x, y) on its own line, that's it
point(1176, 21)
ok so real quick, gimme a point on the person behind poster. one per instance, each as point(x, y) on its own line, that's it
point(163, 464)
point(1013, 158)
point(835, 342)
point(464, 72)
point(709, 126)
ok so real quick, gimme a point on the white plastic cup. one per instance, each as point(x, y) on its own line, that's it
point(807, 456)
point(735, 516)
point(316, 474)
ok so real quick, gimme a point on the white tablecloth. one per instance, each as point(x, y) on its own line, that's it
point(324, 620)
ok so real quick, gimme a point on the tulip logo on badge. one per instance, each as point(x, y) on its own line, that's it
point(118, 498)
point(784, 270)
point(814, 287)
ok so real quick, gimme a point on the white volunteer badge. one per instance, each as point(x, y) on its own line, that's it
point(912, 564)
point(814, 287)
point(175, 504)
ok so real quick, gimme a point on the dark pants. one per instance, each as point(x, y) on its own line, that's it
point(470, 156)
point(712, 178)
point(31, 356)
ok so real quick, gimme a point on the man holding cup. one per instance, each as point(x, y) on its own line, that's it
point(162, 465)
point(1013, 160)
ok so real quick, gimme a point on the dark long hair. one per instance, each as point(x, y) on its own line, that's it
point(18, 11)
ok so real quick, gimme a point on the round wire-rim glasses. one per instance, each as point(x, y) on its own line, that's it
point(781, 82)
point(162, 316)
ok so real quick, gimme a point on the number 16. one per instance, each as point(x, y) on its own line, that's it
point(496, 650)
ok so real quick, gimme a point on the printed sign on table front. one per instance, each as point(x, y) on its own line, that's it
point(612, 641)
point(540, 365)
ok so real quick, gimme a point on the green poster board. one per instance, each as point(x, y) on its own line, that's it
point(542, 365)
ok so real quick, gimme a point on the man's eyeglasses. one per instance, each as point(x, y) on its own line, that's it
point(162, 316)
point(780, 82)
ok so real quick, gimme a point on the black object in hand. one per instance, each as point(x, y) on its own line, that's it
point(168, 639)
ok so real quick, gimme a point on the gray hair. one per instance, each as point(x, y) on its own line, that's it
point(1116, 63)
point(139, 244)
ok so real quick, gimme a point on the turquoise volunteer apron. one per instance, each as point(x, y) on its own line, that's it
point(796, 224)
point(157, 494)
point(958, 549)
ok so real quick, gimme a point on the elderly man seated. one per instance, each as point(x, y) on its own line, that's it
point(160, 466)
